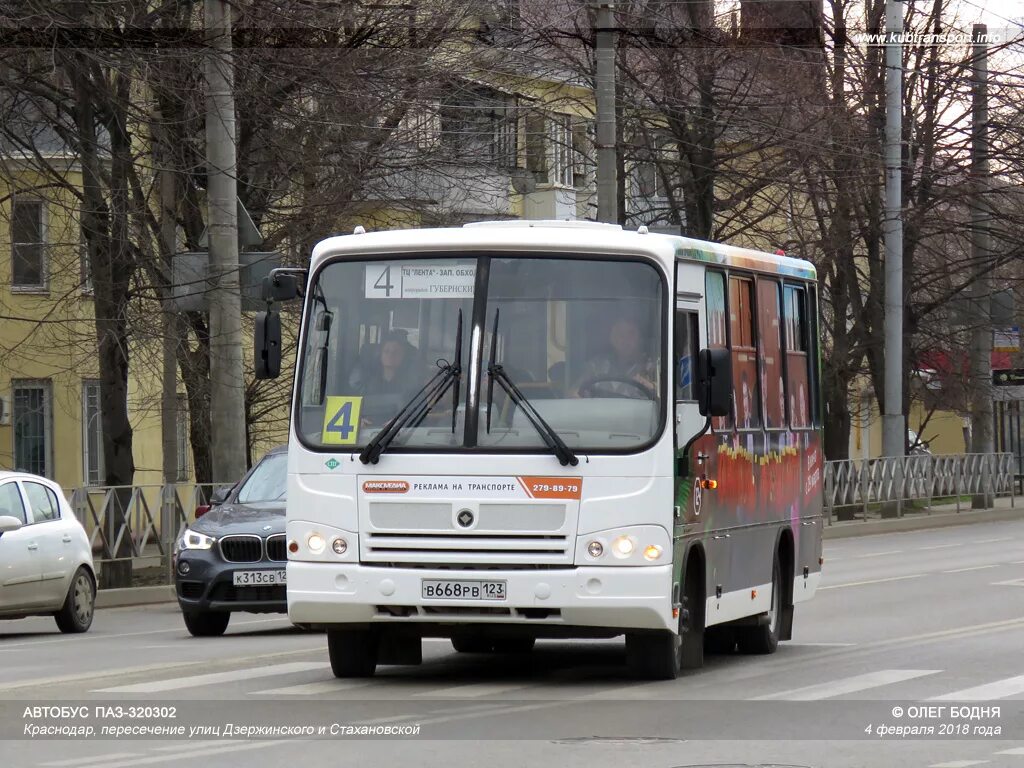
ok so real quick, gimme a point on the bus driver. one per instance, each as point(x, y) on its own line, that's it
point(626, 369)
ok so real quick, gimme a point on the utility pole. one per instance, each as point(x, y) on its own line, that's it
point(604, 86)
point(169, 377)
point(981, 317)
point(894, 428)
point(227, 385)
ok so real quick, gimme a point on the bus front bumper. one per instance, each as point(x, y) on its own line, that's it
point(612, 597)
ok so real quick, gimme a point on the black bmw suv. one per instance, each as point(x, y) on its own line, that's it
point(233, 557)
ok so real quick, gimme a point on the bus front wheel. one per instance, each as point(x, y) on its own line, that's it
point(353, 653)
point(663, 655)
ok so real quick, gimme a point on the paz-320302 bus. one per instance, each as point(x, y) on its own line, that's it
point(517, 430)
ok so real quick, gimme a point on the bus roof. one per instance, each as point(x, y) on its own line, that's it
point(557, 237)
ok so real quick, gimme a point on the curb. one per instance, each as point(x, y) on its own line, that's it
point(117, 598)
point(919, 523)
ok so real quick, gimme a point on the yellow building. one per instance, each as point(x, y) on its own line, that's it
point(49, 387)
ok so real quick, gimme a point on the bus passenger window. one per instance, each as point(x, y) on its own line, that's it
point(797, 360)
point(744, 355)
point(717, 335)
point(769, 342)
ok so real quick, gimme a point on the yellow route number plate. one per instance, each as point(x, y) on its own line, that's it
point(341, 421)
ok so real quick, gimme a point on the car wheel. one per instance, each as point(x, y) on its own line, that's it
point(76, 613)
point(206, 623)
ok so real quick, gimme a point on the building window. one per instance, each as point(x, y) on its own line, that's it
point(480, 127)
point(28, 268)
point(552, 153)
point(92, 434)
point(563, 158)
point(33, 438)
point(181, 430)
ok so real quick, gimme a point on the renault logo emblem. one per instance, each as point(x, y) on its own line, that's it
point(465, 518)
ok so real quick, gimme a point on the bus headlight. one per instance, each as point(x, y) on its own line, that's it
point(652, 552)
point(340, 546)
point(316, 543)
point(623, 546)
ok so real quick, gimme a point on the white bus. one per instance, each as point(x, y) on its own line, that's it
point(522, 430)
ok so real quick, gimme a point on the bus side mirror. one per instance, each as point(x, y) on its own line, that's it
point(280, 286)
point(267, 345)
point(714, 382)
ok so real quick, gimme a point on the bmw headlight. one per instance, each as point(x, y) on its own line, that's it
point(194, 540)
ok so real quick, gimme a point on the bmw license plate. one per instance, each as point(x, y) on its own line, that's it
point(434, 589)
point(258, 578)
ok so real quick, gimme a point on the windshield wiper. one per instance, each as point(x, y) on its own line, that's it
point(414, 411)
point(496, 373)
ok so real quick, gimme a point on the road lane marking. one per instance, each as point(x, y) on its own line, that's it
point(973, 568)
point(957, 764)
point(188, 745)
point(1000, 689)
point(77, 761)
point(311, 689)
point(871, 581)
point(878, 554)
point(1014, 751)
point(1010, 583)
point(79, 638)
point(13, 686)
point(470, 690)
point(213, 678)
point(819, 645)
point(847, 685)
point(219, 749)
point(938, 546)
point(991, 541)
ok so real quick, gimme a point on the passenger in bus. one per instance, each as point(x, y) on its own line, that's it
point(388, 379)
point(626, 360)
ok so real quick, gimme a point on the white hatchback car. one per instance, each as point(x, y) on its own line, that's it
point(46, 563)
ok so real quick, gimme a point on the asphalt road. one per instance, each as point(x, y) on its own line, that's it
point(903, 621)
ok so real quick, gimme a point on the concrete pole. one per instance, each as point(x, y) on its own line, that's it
point(604, 77)
point(227, 384)
point(894, 430)
point(982, 437)
point(169, 383)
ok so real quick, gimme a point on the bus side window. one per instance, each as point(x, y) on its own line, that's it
point(797, 357)
point(744, 355)
point(687, 343)
point(717, 330)
point(769, 342)
point(814, 351)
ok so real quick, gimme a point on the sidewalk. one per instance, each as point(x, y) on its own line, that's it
point(938, 516)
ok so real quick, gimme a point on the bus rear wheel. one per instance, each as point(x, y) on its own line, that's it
point(764, 638)
point(353, 653)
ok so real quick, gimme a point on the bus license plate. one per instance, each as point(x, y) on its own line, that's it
point(255, 578)
point(434, 589)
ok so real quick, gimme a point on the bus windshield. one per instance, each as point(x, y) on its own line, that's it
point(580, 338)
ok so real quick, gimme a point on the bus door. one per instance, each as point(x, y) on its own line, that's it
point(689, 336)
